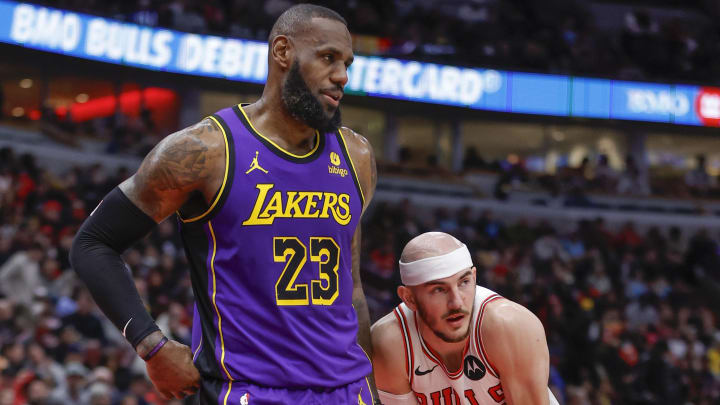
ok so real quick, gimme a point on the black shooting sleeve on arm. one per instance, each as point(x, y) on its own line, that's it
point(113, 227)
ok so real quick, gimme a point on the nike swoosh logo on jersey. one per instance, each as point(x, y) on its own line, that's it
point(125, 328)
point(418, 372)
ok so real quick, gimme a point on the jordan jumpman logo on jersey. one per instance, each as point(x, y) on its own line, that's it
point(255, 165)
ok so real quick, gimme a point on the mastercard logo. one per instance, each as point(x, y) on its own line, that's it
point(707, 105)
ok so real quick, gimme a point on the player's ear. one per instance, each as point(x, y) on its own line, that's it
point(407, 297)
point(281, 50)
point(474, 274)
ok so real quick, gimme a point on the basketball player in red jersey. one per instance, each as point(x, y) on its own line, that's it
point(453, 342)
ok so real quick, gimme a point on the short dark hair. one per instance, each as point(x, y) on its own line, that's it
point(297, 17)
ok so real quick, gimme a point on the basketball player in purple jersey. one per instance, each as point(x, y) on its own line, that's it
point(269, 197)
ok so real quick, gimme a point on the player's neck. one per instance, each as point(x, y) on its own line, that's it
point(449, 352)
point(271, 119)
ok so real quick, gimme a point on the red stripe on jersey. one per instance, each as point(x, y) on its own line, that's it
point(405, 343)
point(478, 340)
point(406, 333)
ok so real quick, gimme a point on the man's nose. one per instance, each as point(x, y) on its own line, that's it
point(339, 75)
point(455, 299)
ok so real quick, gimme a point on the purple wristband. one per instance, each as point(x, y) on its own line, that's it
point(156, 349)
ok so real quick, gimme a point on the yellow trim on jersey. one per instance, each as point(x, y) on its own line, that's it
point(197, 350)
point(225, 177)
point(372, 397)
point(317, 138)
point(227, 394)
point(217, 311)
point(352, 165)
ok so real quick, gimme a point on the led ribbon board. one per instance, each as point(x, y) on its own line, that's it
point(111, 41)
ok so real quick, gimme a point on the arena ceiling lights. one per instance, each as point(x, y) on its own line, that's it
point(111, 41)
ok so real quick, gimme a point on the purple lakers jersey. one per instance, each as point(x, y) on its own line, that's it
point(271, 264)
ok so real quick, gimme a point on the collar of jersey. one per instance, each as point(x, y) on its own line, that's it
point(274, 147)
point(435, 357)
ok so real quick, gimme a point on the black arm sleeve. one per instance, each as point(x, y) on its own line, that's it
point(114, 226)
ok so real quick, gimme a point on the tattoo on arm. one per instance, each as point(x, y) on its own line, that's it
point(184, 163)
point(180, 164)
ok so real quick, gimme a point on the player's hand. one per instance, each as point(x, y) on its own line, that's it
point(172, 371)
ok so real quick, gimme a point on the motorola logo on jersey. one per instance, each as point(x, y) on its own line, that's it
point(473, 368)
point(298, 204)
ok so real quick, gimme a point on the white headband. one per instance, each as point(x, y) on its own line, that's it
point(434, 268)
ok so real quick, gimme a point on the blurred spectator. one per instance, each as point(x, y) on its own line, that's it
point(73, 389)
point(472, 160)
point(57, 128)
point(512, 175)
point(698, 180)
point(639, 23)
point(145, 14)
point(84, 320)
point(20, 275)
point(186, 16)
point(45, 367)
point(38, 393)
point(605, 177)
point(474, 11)
point(633, 180)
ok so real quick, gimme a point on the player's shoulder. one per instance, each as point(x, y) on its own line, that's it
point(357, 144)
point(387, 337)
point(361, 153)
point(351, 136)
point(507, 312)
point(503, 318)
point(191, 159)
point(514, 340)
point(208, 131)
point(389, 354)
point(202, 137)
point(387, 327)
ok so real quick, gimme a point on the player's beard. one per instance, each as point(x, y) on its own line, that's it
point(442, 336)
point(304, 106)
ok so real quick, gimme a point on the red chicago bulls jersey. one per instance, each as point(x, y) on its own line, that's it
point(476, 382)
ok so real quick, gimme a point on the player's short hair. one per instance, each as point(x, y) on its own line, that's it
point(296, 19)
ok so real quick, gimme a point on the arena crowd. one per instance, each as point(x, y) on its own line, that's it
point(556, 36)
point(629, 315)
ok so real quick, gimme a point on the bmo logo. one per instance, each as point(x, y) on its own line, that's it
point(707, 105)
point(657, 102)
